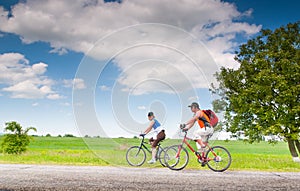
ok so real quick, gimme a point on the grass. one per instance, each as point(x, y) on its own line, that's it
point(102, 152)
point(258, 156)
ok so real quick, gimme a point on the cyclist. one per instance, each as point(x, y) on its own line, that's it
point(159, 134)
point(200, 135)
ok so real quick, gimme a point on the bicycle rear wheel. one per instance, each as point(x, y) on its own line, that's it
point(135, 156)
point(176, 157)
point(219, 159)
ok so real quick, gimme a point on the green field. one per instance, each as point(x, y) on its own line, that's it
point(102, 152)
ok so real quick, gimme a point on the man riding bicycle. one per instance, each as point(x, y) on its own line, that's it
point(200, 135)
point(159, 134)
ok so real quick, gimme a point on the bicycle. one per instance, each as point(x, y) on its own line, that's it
point(136, 155)
point(217, 158)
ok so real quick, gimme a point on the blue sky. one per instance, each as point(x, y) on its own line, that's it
point(59, 62)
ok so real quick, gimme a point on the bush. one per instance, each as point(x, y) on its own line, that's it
point(17, 141)
point(69, 135)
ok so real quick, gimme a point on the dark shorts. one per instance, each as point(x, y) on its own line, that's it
point(160, 136)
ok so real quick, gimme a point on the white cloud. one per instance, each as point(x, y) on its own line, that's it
point(67, 104)
point(104, 88)
point(35, 104)
point(23, 80)
point(59, 51)
point(161, 69)
point(55, 96)
point(141, 107)
point(68, 83)
point(78, 24)
point(79, 84)
point(193, 98)
point(76, 83)
point(39, 68)
point(38, 20)
point(26, 89)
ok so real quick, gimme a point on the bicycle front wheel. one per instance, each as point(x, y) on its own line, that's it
point(218, 159)
point(135, 156)
point(176, 157)
point(161, 156)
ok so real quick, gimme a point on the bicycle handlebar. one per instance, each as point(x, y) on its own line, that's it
point(182, 127)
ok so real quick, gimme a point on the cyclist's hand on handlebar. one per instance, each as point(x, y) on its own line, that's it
point(182, 126)
point(142, 134)
point(184, 129)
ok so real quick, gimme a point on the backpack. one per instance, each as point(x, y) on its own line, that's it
point(213, 119)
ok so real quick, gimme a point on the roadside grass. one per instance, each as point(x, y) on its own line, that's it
point(103, 152)
point(257, 156)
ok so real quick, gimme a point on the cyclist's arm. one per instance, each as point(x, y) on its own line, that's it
point(149, 127)
point(192, 121)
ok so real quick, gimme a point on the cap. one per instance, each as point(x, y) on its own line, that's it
point(150, 114)
point(194, 104)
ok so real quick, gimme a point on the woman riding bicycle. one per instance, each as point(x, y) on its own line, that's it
point(159, 134)
point(200, 135)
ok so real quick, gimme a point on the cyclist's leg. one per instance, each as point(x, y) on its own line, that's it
point(206, 134)
point(160, 136)
point(151, 140)
point(198, 137)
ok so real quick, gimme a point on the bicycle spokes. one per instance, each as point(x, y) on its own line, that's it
point(218, 159)
point(135, 156)
point(176, 157)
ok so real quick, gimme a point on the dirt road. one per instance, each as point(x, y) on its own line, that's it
point(42, 177)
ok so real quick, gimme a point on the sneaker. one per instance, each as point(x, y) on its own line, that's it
point(204, 161)
point(152, 161)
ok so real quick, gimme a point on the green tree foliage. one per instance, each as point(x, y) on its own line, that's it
point(69, 135)
point(17, 140)
point(262, 96)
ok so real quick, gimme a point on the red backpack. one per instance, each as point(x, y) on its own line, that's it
point(213, 119)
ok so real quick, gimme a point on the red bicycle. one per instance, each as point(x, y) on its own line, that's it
point(217, 158)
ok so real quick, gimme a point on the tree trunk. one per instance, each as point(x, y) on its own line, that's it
point(292, 148)
point(297, 145)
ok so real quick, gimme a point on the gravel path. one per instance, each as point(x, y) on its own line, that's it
point(42, 177)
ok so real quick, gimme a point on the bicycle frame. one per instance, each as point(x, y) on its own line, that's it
point(200, 157)
point(143, 145)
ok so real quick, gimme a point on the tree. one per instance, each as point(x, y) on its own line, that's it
point(17, 141)
point(262, 96)
point(69, 135)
